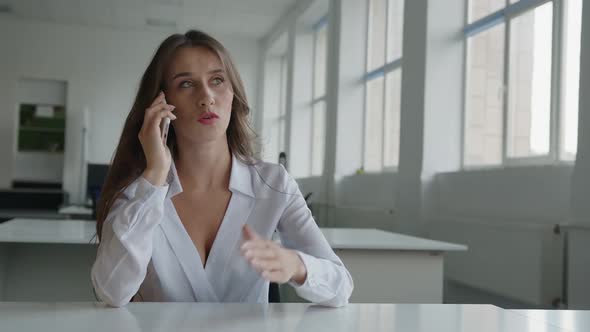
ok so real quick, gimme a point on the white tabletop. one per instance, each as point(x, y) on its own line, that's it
point(83, 232)
point(366, 238)
point(62, 317)
point(569, 320)
point(48, 231)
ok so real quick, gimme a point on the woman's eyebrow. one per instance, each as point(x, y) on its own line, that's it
point(183, 74)
point(186, 73)
point(216, 71)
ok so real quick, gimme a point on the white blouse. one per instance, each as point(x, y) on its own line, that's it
point(146, 250)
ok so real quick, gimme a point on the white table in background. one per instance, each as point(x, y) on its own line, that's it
point(50, 260)
point(391, 268)
point(568, 320)
point(135, 317)
point(46, 260)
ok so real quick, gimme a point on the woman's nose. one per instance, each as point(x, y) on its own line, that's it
point(206, 99)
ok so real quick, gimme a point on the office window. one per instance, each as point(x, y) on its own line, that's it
point(383, 85)
point(481, 8)
point(275, 106)
point(318, 103)
point(529, 83)
point(484, 98)
point(510, 115)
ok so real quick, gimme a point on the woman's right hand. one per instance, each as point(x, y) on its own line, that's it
point(157, 154)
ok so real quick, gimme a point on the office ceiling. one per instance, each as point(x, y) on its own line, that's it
point(246, 18)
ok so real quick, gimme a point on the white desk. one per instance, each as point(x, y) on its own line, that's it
point(50, 260)
point(389, 267)
point(568, 320)
point(217, 317)
point(46, 260)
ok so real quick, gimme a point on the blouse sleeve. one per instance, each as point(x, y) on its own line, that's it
point(328, 281)
point(125, 249)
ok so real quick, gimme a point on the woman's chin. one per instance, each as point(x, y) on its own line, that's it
point(206, 139)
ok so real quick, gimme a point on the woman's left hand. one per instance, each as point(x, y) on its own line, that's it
point(275, 263)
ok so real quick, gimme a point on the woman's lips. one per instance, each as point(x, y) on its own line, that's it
point(208, 118)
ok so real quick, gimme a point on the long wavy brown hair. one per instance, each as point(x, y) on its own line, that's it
point(129, 160)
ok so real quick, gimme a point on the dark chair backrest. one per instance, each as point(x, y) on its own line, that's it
point(274, 295)
point(95, 178)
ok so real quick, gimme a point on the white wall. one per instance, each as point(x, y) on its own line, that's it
point(579, 272)
point(102, 67)
point(38, 167)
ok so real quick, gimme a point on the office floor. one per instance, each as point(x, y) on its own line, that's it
point(457, 293)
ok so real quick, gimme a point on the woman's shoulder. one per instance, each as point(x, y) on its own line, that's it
point(273, 177)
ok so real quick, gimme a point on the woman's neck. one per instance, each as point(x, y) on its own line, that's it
point(204, 167)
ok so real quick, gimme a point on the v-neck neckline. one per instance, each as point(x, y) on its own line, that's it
point(209, 282)
point(221, 228)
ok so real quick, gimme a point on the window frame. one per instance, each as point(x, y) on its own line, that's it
point(322, 23)
point(382, 71)
point(506, 16)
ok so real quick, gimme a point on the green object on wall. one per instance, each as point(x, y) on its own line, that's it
point(41, 133)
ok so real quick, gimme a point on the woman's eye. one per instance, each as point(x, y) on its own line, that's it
point(217, 80)
point(186, 84)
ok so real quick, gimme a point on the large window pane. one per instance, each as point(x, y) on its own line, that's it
point(374, 125)
point(320, 62)
point(376, 40)
point(272, 109)
point(571, 79)
point(392, 118)
point(484, 98)
point(482, 8)
point(395, 27)
point(319, 138)
point(529, 86)
point(282, 105)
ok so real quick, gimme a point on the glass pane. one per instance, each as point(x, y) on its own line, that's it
point(319, 138)
point(392, 116)
point(320, 62)
point(484, 98)
point(272, 88)
point(395, 29)
point(482, 8)
point(571, 79)
point(374, 125)
point(376, 45)
point(282, 105)
point(529, 83)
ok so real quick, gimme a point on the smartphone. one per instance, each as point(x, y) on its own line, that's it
point(164, 126)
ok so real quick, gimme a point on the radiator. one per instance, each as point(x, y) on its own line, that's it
point(520, 260)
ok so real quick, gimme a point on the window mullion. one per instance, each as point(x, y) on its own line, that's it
point(313, 86)
point(556, 79)
point(364, 124)
point(506, 94)
point(464, 102)
point(384, 106)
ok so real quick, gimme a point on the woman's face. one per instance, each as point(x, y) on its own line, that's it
point(196, 83)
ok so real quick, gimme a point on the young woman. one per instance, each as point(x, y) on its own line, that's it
point(190, 217)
